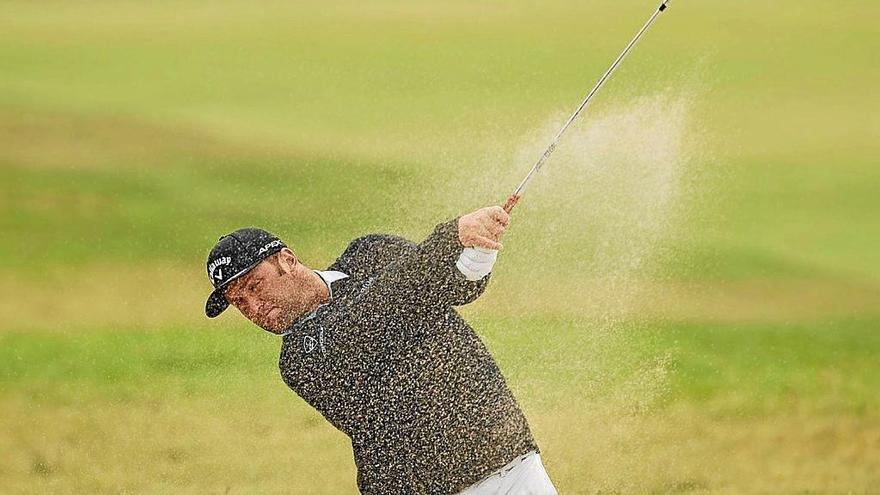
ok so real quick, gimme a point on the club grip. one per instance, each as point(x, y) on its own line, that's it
point(511, 202)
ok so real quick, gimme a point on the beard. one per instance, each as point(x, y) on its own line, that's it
point(287, 305)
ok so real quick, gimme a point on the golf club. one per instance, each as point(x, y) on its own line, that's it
point(514, 198)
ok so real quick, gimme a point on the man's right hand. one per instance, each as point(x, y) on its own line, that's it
point(483, 228)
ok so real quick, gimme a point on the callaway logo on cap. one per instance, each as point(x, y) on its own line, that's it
point(234, 255)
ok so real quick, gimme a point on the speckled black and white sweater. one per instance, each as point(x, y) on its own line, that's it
point(391, 364)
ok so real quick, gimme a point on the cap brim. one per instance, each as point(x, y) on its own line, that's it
point(216, 303)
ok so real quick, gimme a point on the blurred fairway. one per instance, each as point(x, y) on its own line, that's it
point(742, 355)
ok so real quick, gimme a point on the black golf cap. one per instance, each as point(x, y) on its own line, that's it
point(234, 255)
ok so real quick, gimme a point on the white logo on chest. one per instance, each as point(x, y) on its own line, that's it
point(309, 343)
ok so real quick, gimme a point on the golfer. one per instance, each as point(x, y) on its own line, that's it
point(375, 345)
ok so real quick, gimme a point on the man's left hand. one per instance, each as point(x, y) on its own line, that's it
point(483, 228)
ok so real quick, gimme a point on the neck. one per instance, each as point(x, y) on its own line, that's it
point(320, 293)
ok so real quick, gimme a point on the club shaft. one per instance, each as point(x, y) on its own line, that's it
point(514, 198)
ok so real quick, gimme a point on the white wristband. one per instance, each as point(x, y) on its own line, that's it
point(475, 262)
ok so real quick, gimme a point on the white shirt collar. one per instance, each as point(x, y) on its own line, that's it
point(329, 277)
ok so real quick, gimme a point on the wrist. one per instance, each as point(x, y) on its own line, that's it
point(476, 263)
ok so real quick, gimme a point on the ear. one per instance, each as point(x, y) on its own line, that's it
point(287, 260)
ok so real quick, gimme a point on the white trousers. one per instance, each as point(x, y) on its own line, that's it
point(524, 475)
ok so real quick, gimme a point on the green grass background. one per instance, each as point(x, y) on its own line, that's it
point(132, 134)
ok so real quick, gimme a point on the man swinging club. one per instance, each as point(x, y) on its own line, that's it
point(375, 345)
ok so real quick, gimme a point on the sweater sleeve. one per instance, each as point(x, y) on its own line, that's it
point(425, 275)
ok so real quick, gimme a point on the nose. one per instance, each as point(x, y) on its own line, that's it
point(246, 304)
